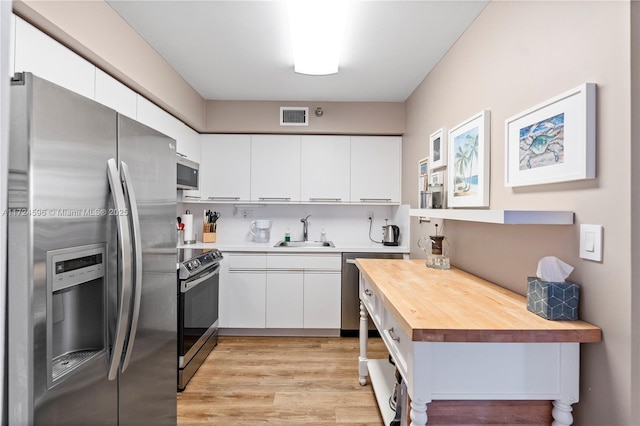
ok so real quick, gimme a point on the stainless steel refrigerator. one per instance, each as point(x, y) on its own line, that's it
point(91, 263)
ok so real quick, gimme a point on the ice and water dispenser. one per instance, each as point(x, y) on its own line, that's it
point(76, 308)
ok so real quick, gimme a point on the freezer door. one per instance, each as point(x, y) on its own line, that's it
point(148, 384)
point(58, 193)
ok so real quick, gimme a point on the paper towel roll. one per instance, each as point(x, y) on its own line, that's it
point(189, 236)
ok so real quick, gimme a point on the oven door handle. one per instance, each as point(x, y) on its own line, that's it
point(188, 285)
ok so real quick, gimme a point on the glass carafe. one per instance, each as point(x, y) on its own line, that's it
point(436, 248)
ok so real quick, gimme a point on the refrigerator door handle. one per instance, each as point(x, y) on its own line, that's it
point(137, 260)
point(124, 238)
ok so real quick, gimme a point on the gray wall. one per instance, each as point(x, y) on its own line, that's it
point(514, 56)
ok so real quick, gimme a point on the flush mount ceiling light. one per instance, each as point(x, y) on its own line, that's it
point(317, 29)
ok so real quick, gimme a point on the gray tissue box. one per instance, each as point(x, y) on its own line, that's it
point(553, 300)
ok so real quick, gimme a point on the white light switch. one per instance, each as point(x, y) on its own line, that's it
point(591, 242)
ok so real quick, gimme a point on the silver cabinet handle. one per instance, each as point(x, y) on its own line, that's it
point(393, 336)
point(224, 198)
point(195, 197)
point(368, 292)
point(274, 198)
point(124, 237)
point(181, 155)
point(324, 199)
point(137, 264)
point(364, 200)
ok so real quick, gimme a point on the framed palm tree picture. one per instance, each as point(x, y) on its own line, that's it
point(469, 155)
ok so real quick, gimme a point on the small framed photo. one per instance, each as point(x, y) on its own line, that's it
point(438, 149)
point(437, 178)
point(554, 141)
point(424, 166)
point(469, 153)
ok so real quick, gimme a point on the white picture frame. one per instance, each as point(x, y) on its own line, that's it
point(553, 141)
point(436, 178)
point(438, 149)
point(469, 157)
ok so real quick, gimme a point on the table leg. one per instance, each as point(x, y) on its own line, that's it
point(418, 413)
point(363, 371)
point(561, 413)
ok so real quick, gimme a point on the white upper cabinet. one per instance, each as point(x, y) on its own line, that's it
point(325, 169)
point(225, 173)
point(188, 145)
point(275, 168)
point(41, 55)
point(115, 95)
point(376, 169)
point(188, 142)
point(155, 117)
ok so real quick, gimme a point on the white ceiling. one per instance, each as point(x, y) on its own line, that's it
point(239, 50)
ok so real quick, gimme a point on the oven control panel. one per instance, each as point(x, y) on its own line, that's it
point(199, 263)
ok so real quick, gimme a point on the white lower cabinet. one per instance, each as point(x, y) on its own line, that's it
point(246, 298)
point(243, 290)
point(280, 291)
point(322, 299)
point(284, 299)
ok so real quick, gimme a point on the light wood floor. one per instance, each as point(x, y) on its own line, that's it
point(281, 380)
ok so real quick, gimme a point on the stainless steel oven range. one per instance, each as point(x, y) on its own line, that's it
point(198, 289)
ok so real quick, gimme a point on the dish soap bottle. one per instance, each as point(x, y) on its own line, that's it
point(287, 236)
point(323, 236)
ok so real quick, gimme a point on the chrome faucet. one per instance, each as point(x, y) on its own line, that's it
point(305, 228)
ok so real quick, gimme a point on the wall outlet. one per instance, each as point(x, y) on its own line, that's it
point(370, 216)
point(247, 214)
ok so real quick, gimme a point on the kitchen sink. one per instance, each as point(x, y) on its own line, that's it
point(304, 244)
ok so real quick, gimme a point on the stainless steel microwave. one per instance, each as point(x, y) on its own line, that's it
point(187, 174)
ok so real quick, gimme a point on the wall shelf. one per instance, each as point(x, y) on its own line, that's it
point(510, 217)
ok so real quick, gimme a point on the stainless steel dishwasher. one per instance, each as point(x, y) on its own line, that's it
point(350, 301)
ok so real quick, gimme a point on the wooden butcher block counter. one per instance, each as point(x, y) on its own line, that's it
point(455, 337)
point(454, 306)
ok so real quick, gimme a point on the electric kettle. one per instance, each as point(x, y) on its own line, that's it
point(390, 235)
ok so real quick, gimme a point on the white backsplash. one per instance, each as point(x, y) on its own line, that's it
point(342, 223)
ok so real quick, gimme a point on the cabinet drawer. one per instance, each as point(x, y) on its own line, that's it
point(396, 340)
point(324, 262)
point(371, 302)
point(247, 261)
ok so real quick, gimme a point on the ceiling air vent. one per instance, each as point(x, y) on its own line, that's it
point(294, 116)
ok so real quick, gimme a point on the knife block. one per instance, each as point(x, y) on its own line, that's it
point(208, 237)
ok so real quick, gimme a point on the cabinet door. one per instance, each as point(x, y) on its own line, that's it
point(41, 55)
point(275, 168)
point(188, 145)
point(188, 142)
point(284, 300)
point(225, 173)
point(325, 168)
point(246, 296)
point(376, 169)
point(115, 95)
point(322, 300)
point(155, 117)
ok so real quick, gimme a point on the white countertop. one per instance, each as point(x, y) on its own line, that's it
point(340, 247)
